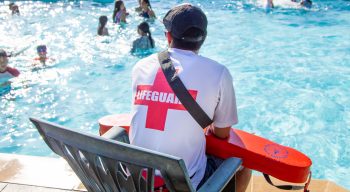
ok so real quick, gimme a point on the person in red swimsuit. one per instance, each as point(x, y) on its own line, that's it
point(42, 58)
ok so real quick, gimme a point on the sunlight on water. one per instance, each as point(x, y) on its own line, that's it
point(291, 70)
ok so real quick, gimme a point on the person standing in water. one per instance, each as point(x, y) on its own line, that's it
point(146, 10)
point(145, 41)
point(6, 72)
point(14, 8)
point(42, 58)
point(102, 29)
point(119, 13)
point(302, 3)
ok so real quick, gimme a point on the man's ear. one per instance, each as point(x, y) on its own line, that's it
point(169, 37)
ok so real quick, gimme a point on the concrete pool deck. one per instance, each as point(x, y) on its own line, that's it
point(21, 173)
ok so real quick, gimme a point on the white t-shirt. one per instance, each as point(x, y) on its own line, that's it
point(161, 123)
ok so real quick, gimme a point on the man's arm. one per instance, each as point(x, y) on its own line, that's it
point(226, 111)
point(222, 133)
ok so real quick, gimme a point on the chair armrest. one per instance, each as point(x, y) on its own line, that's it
point(222, 175)
point(118, 134)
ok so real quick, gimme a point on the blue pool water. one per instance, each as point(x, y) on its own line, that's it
point(291, 70)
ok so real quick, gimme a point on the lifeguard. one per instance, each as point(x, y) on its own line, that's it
point(160, 122)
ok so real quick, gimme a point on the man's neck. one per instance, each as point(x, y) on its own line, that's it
point(194, 51)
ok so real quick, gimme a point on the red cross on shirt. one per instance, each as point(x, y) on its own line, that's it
point(159, 97)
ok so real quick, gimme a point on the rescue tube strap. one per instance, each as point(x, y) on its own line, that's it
point(181, 92)
point(289, 187)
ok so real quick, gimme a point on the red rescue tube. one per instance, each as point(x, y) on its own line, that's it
point(263, 155)
point(258, 153)
point(107, 122)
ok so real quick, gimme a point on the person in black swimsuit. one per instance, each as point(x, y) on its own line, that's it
point(147, 11)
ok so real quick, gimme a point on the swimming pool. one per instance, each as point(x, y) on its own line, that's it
point(291, 70)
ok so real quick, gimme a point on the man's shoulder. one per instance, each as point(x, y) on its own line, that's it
point(150, 59)
point(210, 63)
point(147, 62)
point(208, 60)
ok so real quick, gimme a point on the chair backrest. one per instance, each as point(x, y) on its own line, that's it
point(107, 165)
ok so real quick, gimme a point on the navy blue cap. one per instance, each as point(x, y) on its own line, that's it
point(183, 17)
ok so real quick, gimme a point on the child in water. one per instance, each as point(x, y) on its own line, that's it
point(6, 72)
point(119, 13)
point(145, 41)
point(102, 30)
point(146, 10)
point(14, 8)
point(42, 58)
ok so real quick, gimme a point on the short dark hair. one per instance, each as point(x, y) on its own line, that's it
point(3, 53)
point(192, 32)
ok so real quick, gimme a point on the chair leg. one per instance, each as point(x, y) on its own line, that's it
point(231, 185)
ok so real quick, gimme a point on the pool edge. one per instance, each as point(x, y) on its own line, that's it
point(55, 173)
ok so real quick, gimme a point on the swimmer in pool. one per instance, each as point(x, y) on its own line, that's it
point(302, 3)
point(146, 10)
point(102, 29)
point(14, 8)
point(119, 13)
point(6, 72)
point(145, 41)
point(42, 58)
